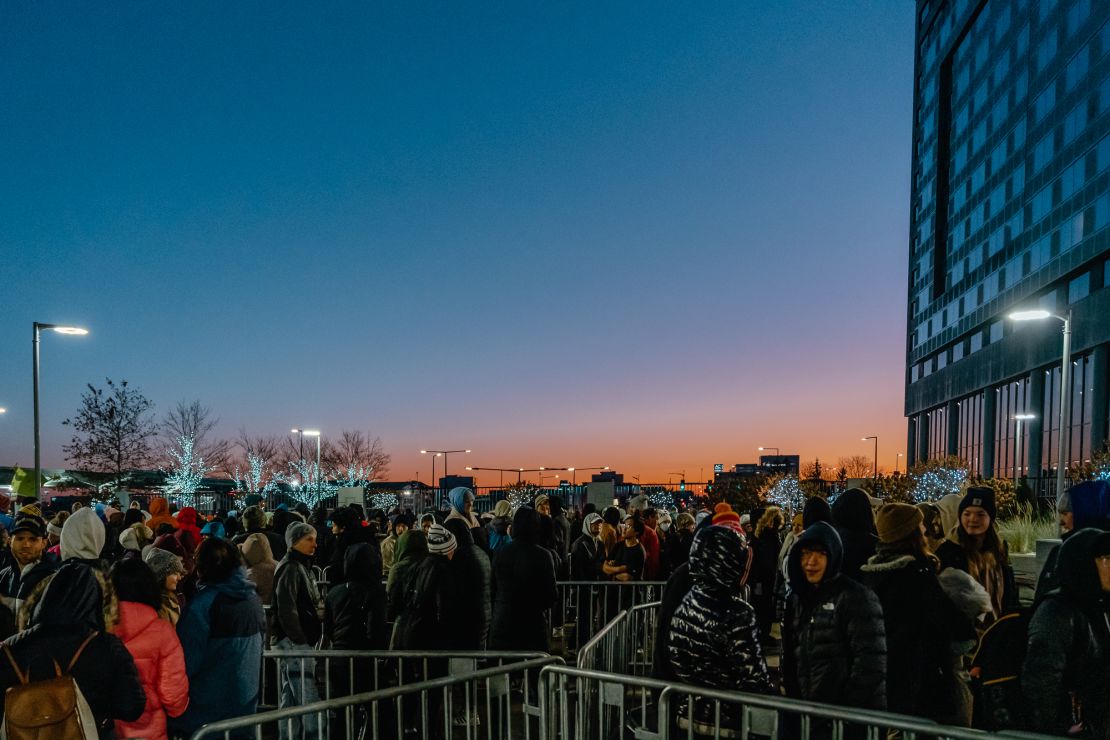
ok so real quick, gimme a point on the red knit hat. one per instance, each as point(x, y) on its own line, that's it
point(724, 515)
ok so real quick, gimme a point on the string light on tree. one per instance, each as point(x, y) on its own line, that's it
point(521, 494)
point(384, 501)
point(258, 480)
point(933, 484)
point(186, 472)
point(661, 500)
point(787, 493)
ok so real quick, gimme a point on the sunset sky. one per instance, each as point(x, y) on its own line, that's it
point(653, 236)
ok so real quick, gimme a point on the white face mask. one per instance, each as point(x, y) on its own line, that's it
point(664, 526)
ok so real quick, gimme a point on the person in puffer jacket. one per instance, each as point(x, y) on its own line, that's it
point(153, 644)
point(713, 639)
point(834, 641)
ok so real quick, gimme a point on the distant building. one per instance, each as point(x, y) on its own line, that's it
point(608, 476)
point(1010, 208)
point(781, 464)
point(448, 482)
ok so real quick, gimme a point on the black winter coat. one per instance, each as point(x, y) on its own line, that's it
point(1069, 646)
point(69, 609)
point(427, 616)
point(295, 601)
point(678, 585)
point(713, 640)
point(469, 589)
point(523, 588)
point(16, 586)
point(921, 623)
point(354, 611)
point(834, 643)
point(584, 559)
point(855, 523)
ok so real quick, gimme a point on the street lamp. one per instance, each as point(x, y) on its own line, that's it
point(574, 471)
point(37, 328)
point(876, 438)
point(764, 449)
point(1065, 370)
point(311, 433)
point(1017, 442)
point(897, 460)
point(445, 453)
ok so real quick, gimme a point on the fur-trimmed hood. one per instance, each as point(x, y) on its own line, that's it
point(887, 563)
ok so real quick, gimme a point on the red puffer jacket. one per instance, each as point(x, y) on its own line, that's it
point(153, 644)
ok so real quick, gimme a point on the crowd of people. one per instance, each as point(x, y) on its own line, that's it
point(161, 616)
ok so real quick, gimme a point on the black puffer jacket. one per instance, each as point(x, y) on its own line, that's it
point(1069, 646)
point(921, 623)
point(855, 523)
point(469, 584)
point(834, 644)
point(70, 608)
point(523, 588)
point(714, 641)
point(678, 585)
point(428, 615)
point(17, 584)
point(354, 611)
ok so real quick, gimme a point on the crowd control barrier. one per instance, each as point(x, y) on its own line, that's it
point(340, 673)
point(649, 709)
point(582, 608)
point(625, 644)
point(501, 701)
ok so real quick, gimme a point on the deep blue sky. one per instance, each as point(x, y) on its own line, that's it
point(650, 235)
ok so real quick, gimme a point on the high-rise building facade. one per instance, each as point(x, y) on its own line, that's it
point(1010, 211)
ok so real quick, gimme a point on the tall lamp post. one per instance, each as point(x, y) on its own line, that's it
point(876, 438)
point(437, 453)
point(302, 433)
point(574, 471)
point(38, 327)
point(1017, 443)
point(765, 449)
point(1065, 379)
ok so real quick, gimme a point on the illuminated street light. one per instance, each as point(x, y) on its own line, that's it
point(876, 438)
point(37, 327)
point(435, 454)
point(1065, 402)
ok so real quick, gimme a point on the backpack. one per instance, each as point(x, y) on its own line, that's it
point(52, 709)
point(996, 666)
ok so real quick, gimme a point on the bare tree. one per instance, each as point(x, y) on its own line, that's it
point(194, 421)
point(114, 430)
point(353, 449)
point(857, 466)
point(266, 448)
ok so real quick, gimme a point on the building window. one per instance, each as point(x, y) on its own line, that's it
point(1079, 288)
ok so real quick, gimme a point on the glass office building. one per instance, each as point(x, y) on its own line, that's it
point(1010, 210)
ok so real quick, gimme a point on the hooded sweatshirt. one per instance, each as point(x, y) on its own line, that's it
point(834, 643)
point(260, 564)
point(713, 639)
point(83, 536)
point(1069, 645)
point(160, 514)
point(68, 610)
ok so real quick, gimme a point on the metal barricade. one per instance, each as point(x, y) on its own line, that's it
point(584, 607)
point(649, 709)
point(625, 644)
point(497, 702)
point(339, 673)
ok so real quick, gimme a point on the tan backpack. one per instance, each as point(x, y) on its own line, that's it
point(53, 709)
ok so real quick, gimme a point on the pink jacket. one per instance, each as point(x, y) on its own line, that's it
point(153, 644)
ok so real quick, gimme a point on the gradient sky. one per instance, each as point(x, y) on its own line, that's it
point(648, 235)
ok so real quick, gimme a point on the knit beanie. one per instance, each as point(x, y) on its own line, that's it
point(723, 514)
point(896, 522)
point(296, 532)
point(164, 563)
point(981, 496)
point(541, 500)
point(503, 509)
point(440, 541)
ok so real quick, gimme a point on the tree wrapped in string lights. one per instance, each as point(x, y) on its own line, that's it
point(938, 478)
point(186, 472)
point(522, 493)
point(785, 491)
point(259, 479)
point(385, 501)
point(661, 500)
point(307, 484)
